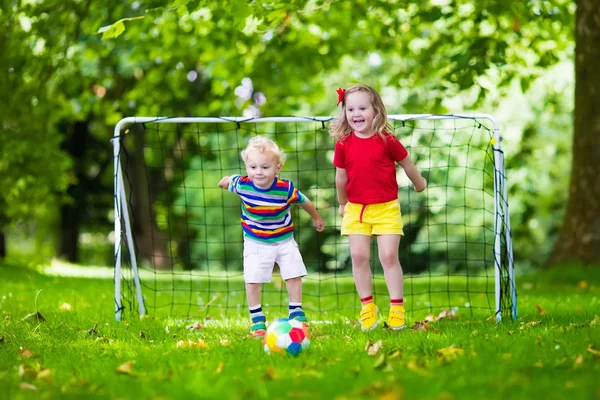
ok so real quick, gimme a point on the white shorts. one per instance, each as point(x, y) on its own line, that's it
point(260, 258)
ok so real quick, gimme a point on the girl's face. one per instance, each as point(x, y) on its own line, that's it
point(262, 168)
point(360, 113)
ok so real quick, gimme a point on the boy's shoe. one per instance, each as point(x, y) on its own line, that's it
point(368, 317)
point(396, 318)
point(298, 315)
point(258, 328)
point(257, 333)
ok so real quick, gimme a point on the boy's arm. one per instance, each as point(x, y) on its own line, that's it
point(310, 208)
point(341, 181)
point(224, 182)
point(413, 174)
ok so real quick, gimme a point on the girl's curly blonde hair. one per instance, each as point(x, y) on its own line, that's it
point(340, 129)
point(264, 145)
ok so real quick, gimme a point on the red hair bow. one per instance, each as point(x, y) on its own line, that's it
point(341, 92)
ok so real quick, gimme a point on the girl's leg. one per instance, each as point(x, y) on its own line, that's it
point(394, 278)
point(360, 251)
point(294, 288)
point(388, 255)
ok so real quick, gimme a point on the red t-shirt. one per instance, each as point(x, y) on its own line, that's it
point(371, 167)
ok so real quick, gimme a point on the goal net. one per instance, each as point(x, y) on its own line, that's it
point(178, 239)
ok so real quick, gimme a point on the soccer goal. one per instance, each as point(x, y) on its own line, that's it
point(178, 239)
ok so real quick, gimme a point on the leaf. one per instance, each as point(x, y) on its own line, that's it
point(450, 353)
point(270, 374)
point(34, 316)
point(578, 361)
point(143, 335)
point(93, 330)
point(126, 368)
point(117, 28)
point(594, 322)
point(541, 310)
point(190, 344)
point(26, 353)
point(225, 342)
point(591, 349)
point(582, 285)
point(27, 372)
point(381, 361)
point(65, 307)
point(195, 326)
point(373, 349)
point(27, 386)
point(251, 26)
point(44, 374)
point(220, 368)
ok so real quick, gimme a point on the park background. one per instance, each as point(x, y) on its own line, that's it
point(72, 69)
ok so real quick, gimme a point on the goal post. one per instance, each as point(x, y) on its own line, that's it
point(178, 240)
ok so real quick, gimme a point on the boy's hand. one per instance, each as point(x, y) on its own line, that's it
point(319, 224)
point(421, 188)
point(341, 209)
point(224, 182)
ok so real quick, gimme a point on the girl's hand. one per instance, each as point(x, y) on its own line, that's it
point(341, 209)
point(224, 182)
point(319, 224)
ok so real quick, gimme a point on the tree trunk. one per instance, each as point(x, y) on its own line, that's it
point(2, 245)
point(579, 237)
point(71, 213)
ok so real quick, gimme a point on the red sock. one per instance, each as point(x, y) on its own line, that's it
point(396, 302)
point(366, 300)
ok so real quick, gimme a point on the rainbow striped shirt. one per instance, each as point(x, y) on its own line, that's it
point(266, 212)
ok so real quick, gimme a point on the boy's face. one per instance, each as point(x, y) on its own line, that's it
point(360, 113)
point(262, 168)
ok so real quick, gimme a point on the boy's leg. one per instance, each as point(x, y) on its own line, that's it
point(394, 278)
point(258, 325)
point(294, 288)
point(292, 270)
point(360, 252)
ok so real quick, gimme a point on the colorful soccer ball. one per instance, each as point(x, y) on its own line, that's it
point(287, 336)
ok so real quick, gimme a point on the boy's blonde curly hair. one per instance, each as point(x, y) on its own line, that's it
point(340, 129)
point(264, 144)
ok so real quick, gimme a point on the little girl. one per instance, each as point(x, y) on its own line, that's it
point(366, 153)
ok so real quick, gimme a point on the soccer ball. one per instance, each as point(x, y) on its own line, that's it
point(287, 336)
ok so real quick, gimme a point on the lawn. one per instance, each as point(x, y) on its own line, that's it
point(74, 348)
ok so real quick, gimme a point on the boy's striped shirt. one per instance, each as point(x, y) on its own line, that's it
point(266, 212)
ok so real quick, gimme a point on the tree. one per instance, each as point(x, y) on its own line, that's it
point(579, 237)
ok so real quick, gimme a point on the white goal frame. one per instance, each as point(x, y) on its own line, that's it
point(122, 210)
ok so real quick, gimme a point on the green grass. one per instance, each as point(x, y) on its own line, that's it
point(75, 353)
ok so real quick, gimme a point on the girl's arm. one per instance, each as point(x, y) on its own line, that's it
point(413, 174)
point(310, 208)
point(341, 181)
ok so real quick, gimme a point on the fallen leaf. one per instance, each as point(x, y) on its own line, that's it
point(541, 310)
point(450, 314)
point(27, 386)
point(578, 361)
point(591, 349)
point(27, 372)
point(595, 321)
point(225, 342)
point(44, 374)
point(374, 348)
point(190, 344)
point(143, 335)
point(450, 353)
point(126, 368)
point(93, 330)
point(219, 368)
point(195, 326)
point(413, 366)
point(65, 307)
point(539, 364)
point(422, 326)
point(431, 318)
point(381, 361)
point(582, 285)
point(25, 353)
point(36, 316)
point(270, 374)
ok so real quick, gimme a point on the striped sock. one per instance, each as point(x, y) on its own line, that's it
point(366, 300)
point(396, 302)
point(258, 318)
point(295, 311)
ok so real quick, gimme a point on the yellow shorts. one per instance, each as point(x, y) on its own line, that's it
point(372, 219)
